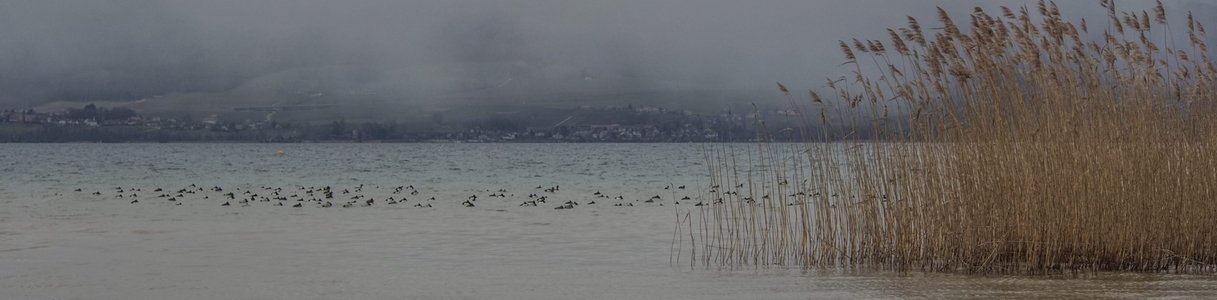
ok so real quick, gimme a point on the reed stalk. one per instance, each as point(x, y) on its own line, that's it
point(1023, 143)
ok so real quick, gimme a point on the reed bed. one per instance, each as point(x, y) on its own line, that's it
point(1023, 143)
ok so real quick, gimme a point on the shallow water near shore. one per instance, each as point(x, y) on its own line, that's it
point(57, 243)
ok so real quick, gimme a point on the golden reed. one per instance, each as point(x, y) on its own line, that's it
point(1023, 144)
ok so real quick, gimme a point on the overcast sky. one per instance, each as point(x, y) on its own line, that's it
point(85, 50)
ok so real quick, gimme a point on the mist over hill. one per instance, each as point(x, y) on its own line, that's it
point(382, 59)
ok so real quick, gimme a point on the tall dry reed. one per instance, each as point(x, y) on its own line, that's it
point(1023, 143)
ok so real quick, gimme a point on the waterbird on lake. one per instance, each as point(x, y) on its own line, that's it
point(467, 204)
point(225, 204)
point(298, 205)
point(135, 201)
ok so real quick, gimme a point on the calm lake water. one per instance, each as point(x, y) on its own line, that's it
point(57, 243)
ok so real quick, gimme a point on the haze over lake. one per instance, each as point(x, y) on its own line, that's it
point(630, 149)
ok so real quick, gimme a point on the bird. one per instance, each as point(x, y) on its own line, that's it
point(298, 205)
point(467, 204)
point(225, 204)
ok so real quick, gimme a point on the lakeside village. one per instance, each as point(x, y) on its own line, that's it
point(585, 124)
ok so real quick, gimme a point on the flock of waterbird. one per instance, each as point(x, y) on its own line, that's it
point(403, 195)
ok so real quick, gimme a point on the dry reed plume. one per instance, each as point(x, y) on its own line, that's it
point(1017, 145)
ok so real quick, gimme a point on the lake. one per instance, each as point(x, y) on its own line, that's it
point(60, 243)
